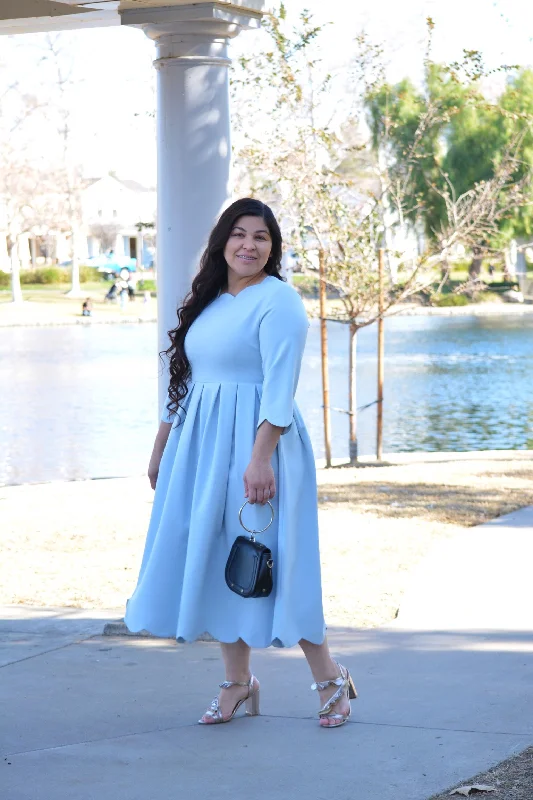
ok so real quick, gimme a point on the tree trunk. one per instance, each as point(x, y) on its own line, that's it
point(352, 393)
point(324, 360)
point(474, 270)
point(33, 248)
point(381, 364)
point(75, 289)
point(444, 267)
point(16, 291)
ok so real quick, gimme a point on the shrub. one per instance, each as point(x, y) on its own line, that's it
point(5, 279)
point(307, 285)
point(445, 300)
point(147, 286)
point(488, 297)
point(45, 275)
point(90, 274)
point(460, 265)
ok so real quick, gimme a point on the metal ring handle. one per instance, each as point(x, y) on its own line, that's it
point(262, 529)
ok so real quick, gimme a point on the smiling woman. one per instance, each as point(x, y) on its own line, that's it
point(247, 253)
point(231, 431)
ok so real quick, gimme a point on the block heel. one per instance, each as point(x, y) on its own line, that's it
point(352, 691)
point(252, 704)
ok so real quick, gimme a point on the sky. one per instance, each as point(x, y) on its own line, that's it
point(113, 96)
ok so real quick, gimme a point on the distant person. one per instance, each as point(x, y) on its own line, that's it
point(232, 435)
point(87, 307)
point(123, 292)
point(491, 270)
point(111, 296)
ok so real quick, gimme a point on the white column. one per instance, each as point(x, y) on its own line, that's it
point(119, 245)
point(16, 291)
point(140, 247)
point(521, 263)
point(75, 289)
point(62, 247)
point(24, 252)
point(193, 136)
point(511, 257)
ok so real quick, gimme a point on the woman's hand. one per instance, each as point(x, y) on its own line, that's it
point(259, 481)
point(157, 452)
point(153, 468)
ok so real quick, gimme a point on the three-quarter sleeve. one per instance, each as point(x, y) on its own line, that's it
point(282, 335)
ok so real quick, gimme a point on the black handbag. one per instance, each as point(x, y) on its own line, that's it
point(249, 565)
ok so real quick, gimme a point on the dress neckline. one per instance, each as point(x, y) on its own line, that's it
point(252, 286)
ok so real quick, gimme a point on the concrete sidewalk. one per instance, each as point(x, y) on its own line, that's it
point(478, 580)
point(87, 717)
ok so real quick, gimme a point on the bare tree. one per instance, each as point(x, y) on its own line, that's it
point(106, 233)
point(68, 176)
point(330, 215)
point(20, 178)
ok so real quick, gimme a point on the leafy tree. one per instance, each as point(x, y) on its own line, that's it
point(516, 105)
point(463, 141)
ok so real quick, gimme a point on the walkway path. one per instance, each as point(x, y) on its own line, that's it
point(92, 717)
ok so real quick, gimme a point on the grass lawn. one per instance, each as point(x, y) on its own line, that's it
point(49, 304)
point(55, 292)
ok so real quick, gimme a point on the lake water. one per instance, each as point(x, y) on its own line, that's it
point(80, 402)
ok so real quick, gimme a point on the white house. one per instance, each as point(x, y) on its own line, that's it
point(113, 208)
point(111, 212)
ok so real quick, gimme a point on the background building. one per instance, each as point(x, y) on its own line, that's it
point(115, 214)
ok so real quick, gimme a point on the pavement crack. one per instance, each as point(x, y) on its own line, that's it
point(264, 716)
point(99, 739)
point(45, 652)
point(436, 728)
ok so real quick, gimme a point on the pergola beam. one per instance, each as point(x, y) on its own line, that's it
point(41, 16)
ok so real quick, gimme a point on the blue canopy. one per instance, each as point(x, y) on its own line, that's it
point(112, 263)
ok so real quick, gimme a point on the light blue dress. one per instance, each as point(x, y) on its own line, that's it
point(245, 354)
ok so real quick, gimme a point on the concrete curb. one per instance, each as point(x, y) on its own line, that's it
point(119, 628)
point(76, 321)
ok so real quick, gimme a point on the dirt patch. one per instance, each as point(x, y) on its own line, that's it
point(457, 505)
point(80, 544)
point(512, 780)
point(461, 493)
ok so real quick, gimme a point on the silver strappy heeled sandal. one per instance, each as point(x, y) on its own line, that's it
point(251, 700)
point(345, 684)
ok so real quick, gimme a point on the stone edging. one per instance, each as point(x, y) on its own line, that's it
point(119, 628)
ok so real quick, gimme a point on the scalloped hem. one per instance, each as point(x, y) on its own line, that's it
point(275, 642)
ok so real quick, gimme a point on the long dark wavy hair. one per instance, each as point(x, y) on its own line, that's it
point(211, 278)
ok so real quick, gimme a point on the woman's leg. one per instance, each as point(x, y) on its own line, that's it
point(236, 658)
point(324, 668)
